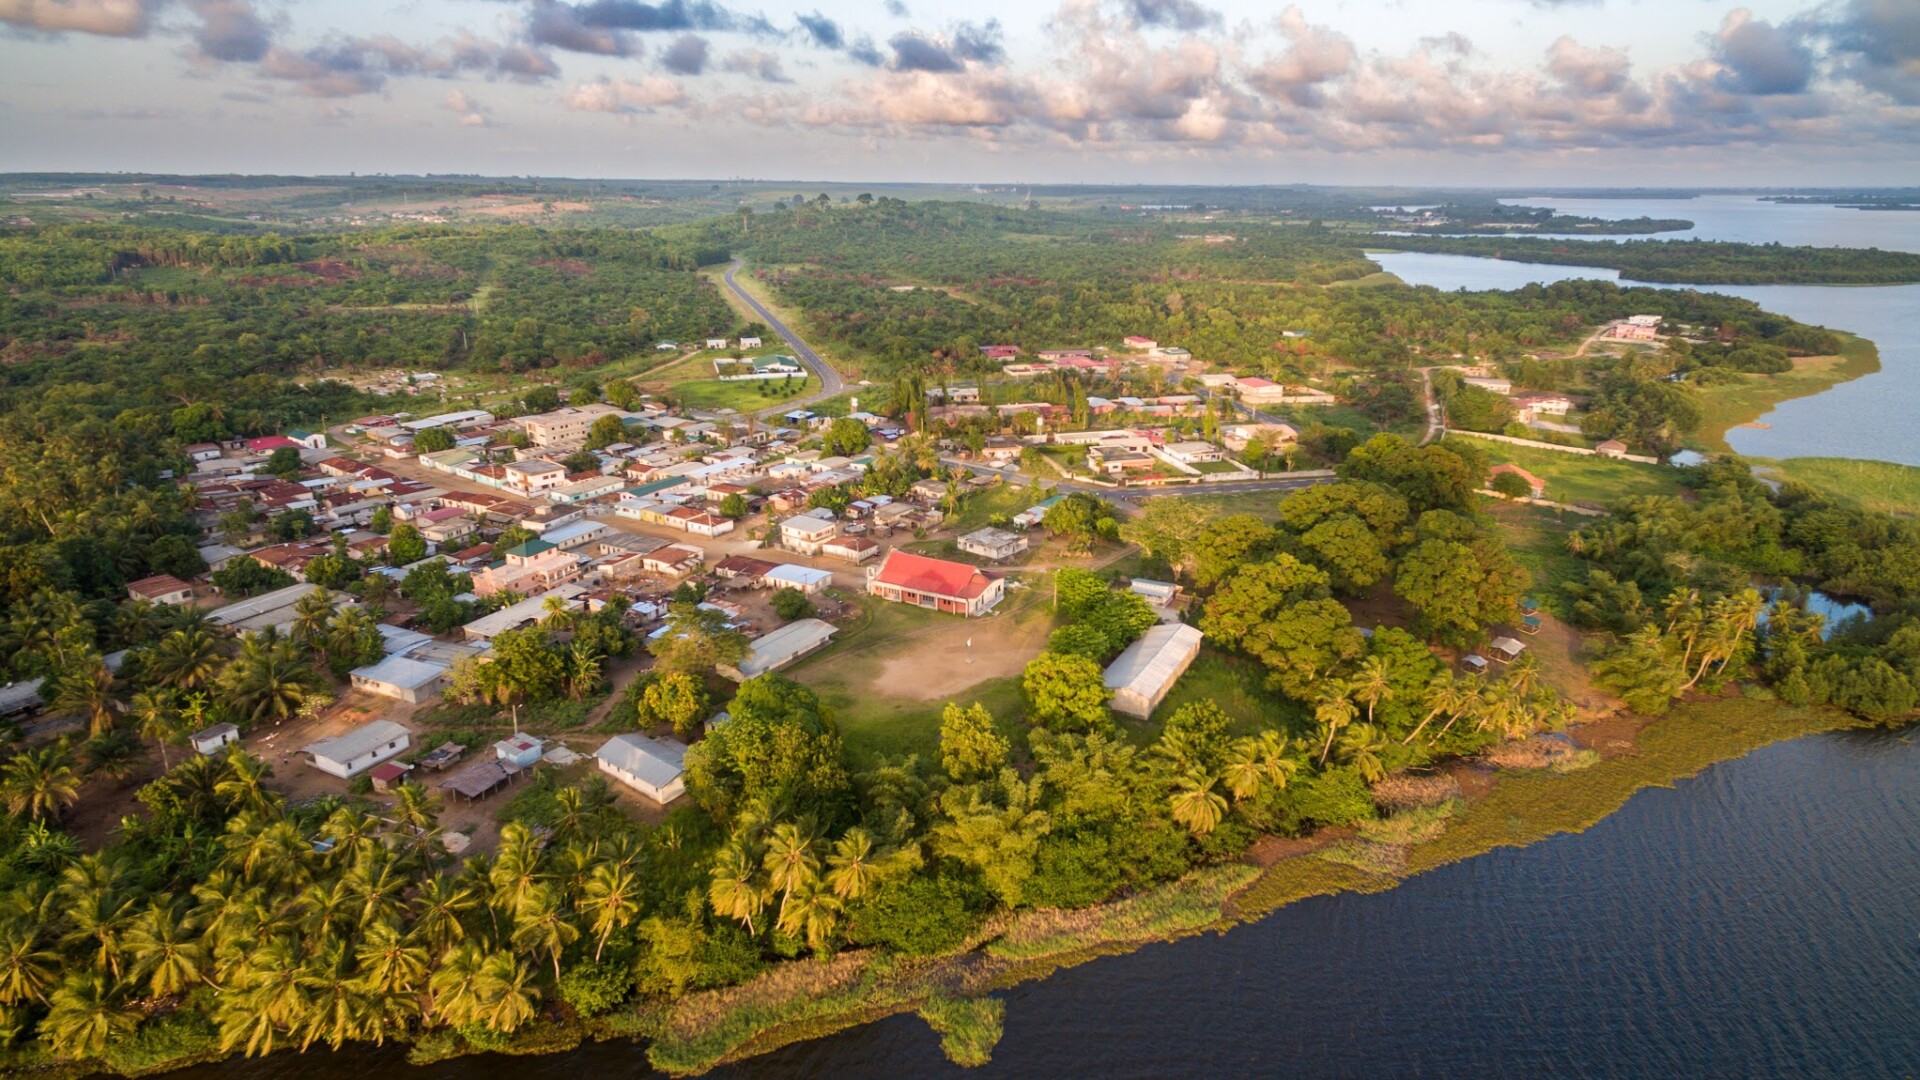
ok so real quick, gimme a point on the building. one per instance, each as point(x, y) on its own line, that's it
point(1118, 462)
point(1141, 344)
point(466, 418)
point(531, 576)
point(521, 749)
point(525, 613)
point(673, 560)
point(1543, 404)
point(1146, 670)
point(742, 568)
point(991, 543)
point(782, 647)
point(854, 549)
point(1193, 453)
point(1536, 487)
point(807, 533)
point(777, 366)
point(1235, 437)
point(928, 491)
point(1636, 328)
point(655, 768)
point(1037, 513)
point(213, 740)
point(1502, 387)
point(351, 754)
point(794, 576)
point(1612, 448)
point(749, 342)
point(716, 343)
point(1506, 649)
point(1157, 593)
point(568, 424)
point(401, 678)
point(575, 534)
point(389, 775)
point(270, 609)
point(939, 584)
point(161, 589)
point(1257, 391)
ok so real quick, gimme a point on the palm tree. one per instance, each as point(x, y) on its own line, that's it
point(83, 1016)
point(89, 691)
point(269, 680)
point(311, 615)
point(515, 873)
point(1333, 710)
point(1195, 803)
point(852, 869)
point(791, 861)
point(40, 783)
point(165, 951)
point(156, 717)
point(1258, 761)
point(186, 659)
point(1442, 694)
point(456, 984)
point(814, 914)
point(97, 918)
point(437, 909)
point(389, 963)
point(1374, 683)
point(611, 899)
point(542, 924)
point(583, 670)
point(243, 785)
point(736, 891)
point(26, 969)
point(1360, 747)
point(506, 991)
point(114, 754)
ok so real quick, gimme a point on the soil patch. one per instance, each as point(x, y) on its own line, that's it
point(941, 662)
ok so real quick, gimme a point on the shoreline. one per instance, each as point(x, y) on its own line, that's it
point(809, 998)
point(1733, 405)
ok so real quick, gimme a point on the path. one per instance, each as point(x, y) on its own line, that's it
point(1436, 424)
point(831, 384)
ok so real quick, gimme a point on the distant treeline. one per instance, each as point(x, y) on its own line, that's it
point(1694, 262)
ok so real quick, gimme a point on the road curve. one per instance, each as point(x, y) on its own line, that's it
point(830, 381)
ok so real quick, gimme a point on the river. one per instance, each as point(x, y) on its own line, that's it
point(1868, 417)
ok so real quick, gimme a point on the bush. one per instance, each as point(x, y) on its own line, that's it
point(969, 1027)
point(595, 987)
point(791, 604)
point(1335, 797)
point(920, 916)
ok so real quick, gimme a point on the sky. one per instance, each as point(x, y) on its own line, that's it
point(1405, 92)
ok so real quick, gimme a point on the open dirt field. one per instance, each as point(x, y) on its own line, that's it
point(938, 663)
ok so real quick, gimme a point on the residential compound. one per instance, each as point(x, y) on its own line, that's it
point(565, 426)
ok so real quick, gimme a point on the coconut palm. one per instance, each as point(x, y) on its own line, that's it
point(164, 951)
point(791, 860)
point(27, 970)
point(390, 963)
point(1257, 761)
point(84, 1016)
point(243, 783)
point(156, 716)
point(854, 868)
point(1443, 694)
point(515, 872)
point(541, 923)
point(265, 998)
point(1373, 684)
point(96, 919)
point(583, 670)
point(814, 914)
point(611, 899)
point(310, 616)
point(437, 909)
point(114, 754)
point(1333, 710)
point(508, 997)
point(269, 680)
point(736, 891)
point(1360, 746)
point(187, 659)
point(1195, 804)
point(40, 783)
point(89, 692)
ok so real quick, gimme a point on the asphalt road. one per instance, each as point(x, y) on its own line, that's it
point(830, 381)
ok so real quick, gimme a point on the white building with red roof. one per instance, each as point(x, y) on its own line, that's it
point(952, 587)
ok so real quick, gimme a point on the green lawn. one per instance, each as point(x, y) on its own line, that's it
point(745, 396)
point(1753, 396)
point(1870, 485)
point(1264, 505)
point(1577, 478)
point(1537, 537)
point(1234, 683)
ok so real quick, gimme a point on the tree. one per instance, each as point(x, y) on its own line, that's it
point(733, 506)
point(540, 399)
point(1225, 544)
point(85, 1016)
point(1438, 476)
point(780, 748)
point(434, 440)
point(1195, 803)
point(696, 641)
point(1458, 589)
point(996, 829)
point(790, 603)
point(1645, 670)
point(1348, 550)
point(971, 746)
point(405, 545)
point(185, 659)
point(1080, 519)
point(1511, 485)
point(1079, 639)
point(39, 783)
point(581, 461)
point(611, 901)
point(1166, 527)
point(156, 716)
point(1065, 693)
point(605, 431)
point(382, 520)
point(269, 680)
point(845, 437)
point(677, 698)
point(284, 462)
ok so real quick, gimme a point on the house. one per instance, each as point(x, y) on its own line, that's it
point(716, 343)
point(534, 476)
point(939, 584)
point(1235, 437)
point(1506, 649)
point(525, 613)
point(1001, 449)
point(351, 754)
point(991, 543)
point(1502, 387)
point(674, 560)
point(401, 678)
point(854, 549)
point(807, 533)
point(1146, 670)
point(782, 647)
point(1157, 593)
point(217, 556)
point(963, 394)
point(928, 491)
point(311, 440)
point(749, 342)
point(565, 425)
point(202, 451)
point(269, 609)
point(1257, 391)
point(576, 534)
point(666, 346)
point(466, 418)
point(1543, 404)
point(161, 589)
point(389, 775)
point(532, 576)
point(1612, 448)
point(1194, 452)
point(794, 576)
point(758, 367)
point(214, 739)
point(999, 352)
point(655, 768)
point(1536, 487)
point(519, 748)
point(1117, 462)
point(1141, 344)
point(742, 568)
point(1037, 513)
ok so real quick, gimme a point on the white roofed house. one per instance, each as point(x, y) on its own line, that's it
point(807, 533)
point(995, 544)
point(716, 343)
point(655, 768)
point(776, 650)
point(1146, 670)
point(794, 576)
point(401, 678)
point(356, 751)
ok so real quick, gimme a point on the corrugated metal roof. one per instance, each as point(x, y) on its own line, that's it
point(1151, 663)
point(769, 652)
point(656, 761)
point(359, 742)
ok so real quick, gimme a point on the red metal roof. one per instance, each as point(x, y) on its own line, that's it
point(905, 570)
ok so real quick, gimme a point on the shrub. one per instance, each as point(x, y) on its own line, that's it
point(791, 604)
point(920, 916)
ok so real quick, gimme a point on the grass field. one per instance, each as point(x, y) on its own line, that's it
point(1869, 485)
point(1723, 408)
point(745, 396)
point(1538, 540)
point(1577, 478)
point(1234, 683)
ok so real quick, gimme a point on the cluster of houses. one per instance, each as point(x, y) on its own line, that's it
point(1257, 390)
point(1137, 351)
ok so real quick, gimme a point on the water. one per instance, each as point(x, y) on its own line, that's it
point(1747, 219)
point(1755, 921)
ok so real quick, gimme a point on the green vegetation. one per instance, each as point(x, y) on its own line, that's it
point(1875, 486)
point(1582, 479)
point(1693, 262)
point(1745, 399)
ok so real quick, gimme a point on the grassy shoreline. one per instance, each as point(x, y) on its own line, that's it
point(1732, 405)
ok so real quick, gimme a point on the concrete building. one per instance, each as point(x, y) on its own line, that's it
point(782, 647)
point(807, 533)
point(565, 425)
point(401, 678)
point(161, 589)
point(1141, 676)
point(991, 543)
point(794, 576)
point(525, 613)
point(348, 755)
point(213, 740)
point(854, 549)
point(655, 768)
point(952, 587)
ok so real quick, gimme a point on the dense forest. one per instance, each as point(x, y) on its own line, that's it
point(1691, 262)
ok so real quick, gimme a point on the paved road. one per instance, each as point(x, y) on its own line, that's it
point(1129, 494)
point(830, 381)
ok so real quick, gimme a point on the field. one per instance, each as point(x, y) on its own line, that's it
point(1583, 480)
point(1538, 540)
point(1879, 486)
point(888, 678)
point(690, 380)
point(1723, 408)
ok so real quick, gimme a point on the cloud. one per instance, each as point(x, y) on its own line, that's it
point(982, 43)
point(896, 9)
point(915, 51)
point(863, 51)
point(911, 52)
point(1314, 56)
point(107, 18)
point(756, 64)
point(1878, 44)
point(1588, 71)
point(347, 66)
point(824, 31)
point(686, 56)
point(668, 16)
point(1760, 58)
point(471, 112)
point(1176, 14)
point(230, 31)
point(624, 95)
point(561, 26)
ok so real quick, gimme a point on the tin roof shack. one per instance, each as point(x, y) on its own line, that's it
point(782, 647)
point(655, 768)
point(401, 678)
point(347, 756)
point(1141, 676)
point(213, 740)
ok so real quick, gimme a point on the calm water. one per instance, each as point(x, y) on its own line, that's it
point(1756, 921)
point(1869, 418)
point(1746, 219)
